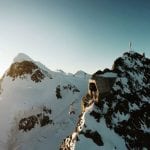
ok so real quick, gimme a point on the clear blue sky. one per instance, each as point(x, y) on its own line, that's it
point(73, 34)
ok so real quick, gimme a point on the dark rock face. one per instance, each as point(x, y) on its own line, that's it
point(96, 115)
point(72, 88)
point(128, 100)
point(20, 69)
point(58, 92)
point(28, 123)
point(37, 76)
point(94, 135)
point(42, 119)
point(68, 87)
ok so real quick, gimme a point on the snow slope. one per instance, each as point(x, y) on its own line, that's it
point(34, 105)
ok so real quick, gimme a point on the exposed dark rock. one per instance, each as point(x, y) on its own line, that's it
point(75, 90)
point(86, 101)
point(47, 110)
point(96, 115)
point(37, 76)
point(94, 135)
point(58, 92)
point(27, 124)
point(42, 119)
point(72, 88)
point(20, 69)
point(45, 120)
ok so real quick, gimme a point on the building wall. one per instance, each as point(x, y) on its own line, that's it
point(104, 84)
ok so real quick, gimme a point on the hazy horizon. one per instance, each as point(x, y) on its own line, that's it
point(73, 35)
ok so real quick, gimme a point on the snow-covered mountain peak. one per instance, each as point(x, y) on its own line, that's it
point(24, 67)
point(60, 71)
point(80, 74)
point(42, 103)
point(22, 57)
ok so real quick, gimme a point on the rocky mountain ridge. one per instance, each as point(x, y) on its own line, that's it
point(121, 118)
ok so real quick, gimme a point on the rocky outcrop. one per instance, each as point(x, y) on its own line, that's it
point(42, 119)
point(21, 69)
point(94, 135)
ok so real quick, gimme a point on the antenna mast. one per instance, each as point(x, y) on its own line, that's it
point(130, 46)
